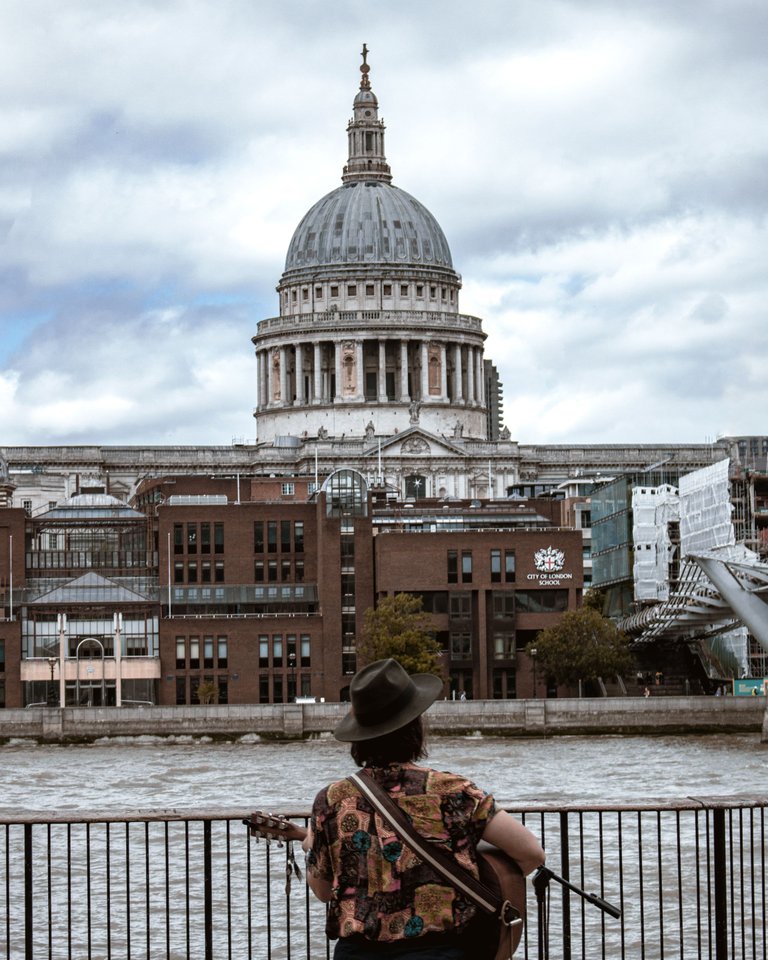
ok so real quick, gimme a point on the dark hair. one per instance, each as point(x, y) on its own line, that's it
point(400, 746)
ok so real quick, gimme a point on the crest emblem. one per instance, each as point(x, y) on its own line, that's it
point(549, 560)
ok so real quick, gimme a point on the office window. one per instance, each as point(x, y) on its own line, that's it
point(205, 538)
point(285, 570)
point(194, 653)
point(287, 489)
point(272, 571)
point(178, 572)
point(509, 566)
point(218, 538)
point(181, 653)
point(258, 571)
point(299, 571)
point(191, 538)
point(495, 566)
point(192, 571)
point(285, 536)
point(219, 571)
point(503, 603)
point(205, 571)
point(277, 650)
point(272, 536)
point(258, 536)
point(503, 645)
point(223, 651)
point(178, 538)
point(298, 536)
point(460, 606)
point(263, 650)
point(460, 646)
point(305, 650)
point(453, 566)
point(466, 566)
point(208, 652)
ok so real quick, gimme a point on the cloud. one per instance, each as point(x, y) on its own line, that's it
point(599, 169)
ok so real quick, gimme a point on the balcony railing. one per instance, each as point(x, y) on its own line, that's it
point(689, 877)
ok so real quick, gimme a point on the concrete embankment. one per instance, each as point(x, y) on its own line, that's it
point(511, 718)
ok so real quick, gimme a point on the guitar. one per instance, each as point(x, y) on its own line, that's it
point(491, 939)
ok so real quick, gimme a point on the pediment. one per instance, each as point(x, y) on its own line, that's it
point(90, 588)
point(416, 442)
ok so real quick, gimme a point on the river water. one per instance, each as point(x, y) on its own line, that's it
point(170, 773)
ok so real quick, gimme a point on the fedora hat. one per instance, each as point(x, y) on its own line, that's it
point(384, 698)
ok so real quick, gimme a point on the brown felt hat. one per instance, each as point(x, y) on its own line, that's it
point(384, 698)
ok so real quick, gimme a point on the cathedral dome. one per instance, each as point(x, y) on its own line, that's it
point(368, 221)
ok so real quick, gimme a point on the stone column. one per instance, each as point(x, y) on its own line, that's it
point(479, 379)
point(337, 367)
point(382, 371)
point(404, 371)
point(300, 399)
point(470, 375)
point(359, 371)
point(284, 398)
point(457, 373)
point(317, 388)
point(424, 371)
point(443, 372)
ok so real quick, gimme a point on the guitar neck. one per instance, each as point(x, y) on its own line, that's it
point(274, 828)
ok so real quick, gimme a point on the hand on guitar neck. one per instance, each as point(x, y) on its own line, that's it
point(273, 828)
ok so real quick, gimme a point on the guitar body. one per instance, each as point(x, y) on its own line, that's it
point(503, 876)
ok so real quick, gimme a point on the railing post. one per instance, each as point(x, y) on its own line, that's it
point(565, 867)
point(208, 889)
point(721, 892)
point(28, 906)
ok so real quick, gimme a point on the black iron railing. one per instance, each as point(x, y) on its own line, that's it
point(689, 877)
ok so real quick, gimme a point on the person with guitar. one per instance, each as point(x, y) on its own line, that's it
point(384, 900)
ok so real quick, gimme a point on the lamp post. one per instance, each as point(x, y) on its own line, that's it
point(533, 652)
point(52, 661)
point(292, 681)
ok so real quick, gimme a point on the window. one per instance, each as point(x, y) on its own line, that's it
point(219, 571)
point(263, 650)
point(272, 571)
point(293, 296)
point(285, 570)
point(208, 652)
point(178, 538)
point(304, 293)
point(277, 650)
point(272, 536)
point(369, 290)
point(194, 653)
point(318, 293)
point(263, 689)
point(192, 571)
point(503, 645)
point(258, 536)
point(298, 536)
point(453, 566)
point(466, 566)
point(205, 571)
point(334, 290)
point(258, 571)
point(181, 690)
point(218, 538)
point(178, 572)
point(305, 650)
point(223, 651)
point(205, 538)
point(181, 653)
point(351, 289)
point(419, 290)
point(542, 601)
point(460, 606)
point(387, 290)
point(495, 566)
point(288, 489)
point(503, 603)
point(52, 541)
point(191, 538)
point(285, 536)
point(509, 566)
point(403, 289)
point(433, 292)
point(461, 646)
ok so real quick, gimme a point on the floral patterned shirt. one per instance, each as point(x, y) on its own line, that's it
point(380, 888)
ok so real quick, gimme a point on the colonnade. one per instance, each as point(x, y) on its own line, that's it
point(382, 370)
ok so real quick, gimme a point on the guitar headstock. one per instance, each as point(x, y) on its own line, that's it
point(265, 825)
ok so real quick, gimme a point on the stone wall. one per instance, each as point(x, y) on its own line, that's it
point(513, 718)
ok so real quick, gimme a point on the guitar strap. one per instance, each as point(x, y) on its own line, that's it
point(440, 859)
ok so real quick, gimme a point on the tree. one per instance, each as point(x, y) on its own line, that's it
point(399, 628)
point(583, 646)
point(206, 691)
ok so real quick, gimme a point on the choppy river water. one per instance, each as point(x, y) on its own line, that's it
point(151, 773)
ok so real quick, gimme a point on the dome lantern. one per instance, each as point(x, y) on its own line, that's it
point(365, 133)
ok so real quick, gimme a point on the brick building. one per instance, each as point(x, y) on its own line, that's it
point(256, 588)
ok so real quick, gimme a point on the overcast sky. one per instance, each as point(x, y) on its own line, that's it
point(599, 170)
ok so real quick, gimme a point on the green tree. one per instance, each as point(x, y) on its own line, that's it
point(583, 645)
point(398, 627)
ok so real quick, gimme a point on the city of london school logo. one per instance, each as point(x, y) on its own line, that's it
point(549, 559)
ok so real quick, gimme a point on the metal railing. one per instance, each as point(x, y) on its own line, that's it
point(689, 877)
